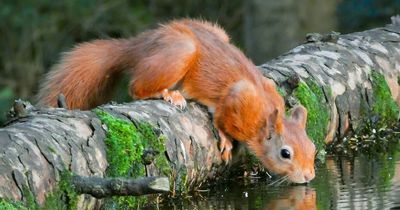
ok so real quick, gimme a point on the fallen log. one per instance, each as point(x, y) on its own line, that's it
point(341, 79)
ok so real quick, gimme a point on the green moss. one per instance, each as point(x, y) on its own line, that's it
point(126, 144)
point(161, 161)
point(66, 191)
point(182, 182)
point(378, 130)
point(383, 103)
point(11, 205)
point(30, 201)
point(251, 160)
point(312, 98)
point(62, 198)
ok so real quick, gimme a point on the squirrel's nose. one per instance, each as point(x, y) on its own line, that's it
point(309, 175)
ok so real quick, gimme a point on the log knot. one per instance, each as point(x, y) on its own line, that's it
point(317, 37)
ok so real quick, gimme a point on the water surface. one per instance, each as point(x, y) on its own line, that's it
point(362, 182)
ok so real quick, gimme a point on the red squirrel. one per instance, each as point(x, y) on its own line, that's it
point(191, 59)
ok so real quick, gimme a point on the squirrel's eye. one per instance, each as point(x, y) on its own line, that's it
point(285, 153)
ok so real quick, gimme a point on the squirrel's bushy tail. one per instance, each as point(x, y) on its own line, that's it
point(86, 75)
point(156, 59)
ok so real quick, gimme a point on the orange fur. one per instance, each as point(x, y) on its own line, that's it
point(193, 59)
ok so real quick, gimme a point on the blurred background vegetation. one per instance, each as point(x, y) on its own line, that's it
point(33, 33)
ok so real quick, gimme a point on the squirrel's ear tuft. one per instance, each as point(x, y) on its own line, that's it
point(275, 122)
point(299, 114)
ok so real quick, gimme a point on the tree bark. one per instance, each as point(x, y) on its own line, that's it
point(38, 146)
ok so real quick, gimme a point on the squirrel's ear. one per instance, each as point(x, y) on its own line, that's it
point(275, 122)
point(299, 114)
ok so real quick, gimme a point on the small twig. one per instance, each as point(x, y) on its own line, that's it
point(100, 187)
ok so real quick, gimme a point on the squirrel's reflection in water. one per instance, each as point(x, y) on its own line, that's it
point(296, 198)
point(299, 197)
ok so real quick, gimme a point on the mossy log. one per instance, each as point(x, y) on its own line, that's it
point(341, 79)
point(143, 138)
point(344, 81)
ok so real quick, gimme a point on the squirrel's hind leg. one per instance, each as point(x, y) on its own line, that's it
point(157, 71)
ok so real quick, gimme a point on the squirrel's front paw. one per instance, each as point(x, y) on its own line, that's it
point(225, 147)
point(174, 97)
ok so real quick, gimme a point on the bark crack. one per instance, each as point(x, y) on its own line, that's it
point(17, 184)
point(44, 155)
point(71, 155)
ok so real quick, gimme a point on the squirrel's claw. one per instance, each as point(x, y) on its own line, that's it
point(225, 147)
point(226, 156)
point(175, 98)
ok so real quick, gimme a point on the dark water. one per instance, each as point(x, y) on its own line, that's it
point(360, 182)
